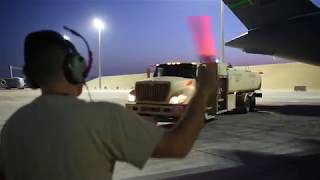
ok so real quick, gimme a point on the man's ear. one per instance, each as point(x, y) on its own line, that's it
point(79, 89)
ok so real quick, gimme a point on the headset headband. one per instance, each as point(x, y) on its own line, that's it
point(90, 57)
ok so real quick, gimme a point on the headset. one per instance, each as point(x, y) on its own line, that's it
point(74, 66)
point(75, 69)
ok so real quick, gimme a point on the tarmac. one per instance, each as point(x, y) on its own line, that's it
point(281, 140)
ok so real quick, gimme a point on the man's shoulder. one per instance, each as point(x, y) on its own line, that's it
point(70, 104)
point(104, 105)
point(72, 101)
point(102, 109)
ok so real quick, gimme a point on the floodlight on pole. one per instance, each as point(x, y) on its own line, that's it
point(99, 25)
point(66, 37)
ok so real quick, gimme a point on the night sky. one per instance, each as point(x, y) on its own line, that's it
point(139, 33)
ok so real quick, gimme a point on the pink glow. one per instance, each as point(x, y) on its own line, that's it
point(203, 37)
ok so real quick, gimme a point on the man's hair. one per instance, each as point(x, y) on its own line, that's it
point(44, 54)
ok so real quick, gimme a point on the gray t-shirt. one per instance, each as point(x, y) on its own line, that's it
point(62, 137)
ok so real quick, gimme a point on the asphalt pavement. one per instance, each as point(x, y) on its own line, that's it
point(281, 140)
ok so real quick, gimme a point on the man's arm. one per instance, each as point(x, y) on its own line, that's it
point(178, 141)
point(2, 176)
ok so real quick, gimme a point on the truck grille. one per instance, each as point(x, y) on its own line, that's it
point(152, 91)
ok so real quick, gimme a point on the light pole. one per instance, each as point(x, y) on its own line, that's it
point(99, 25)
point(222, 30)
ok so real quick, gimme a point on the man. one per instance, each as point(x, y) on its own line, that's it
point(58, 136)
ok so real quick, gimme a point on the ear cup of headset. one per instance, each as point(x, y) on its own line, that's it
point(74, 68)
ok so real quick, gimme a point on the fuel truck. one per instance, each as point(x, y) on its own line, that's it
point(165, 96)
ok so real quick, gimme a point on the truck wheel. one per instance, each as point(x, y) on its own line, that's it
point(252, 103)
point(243, 103)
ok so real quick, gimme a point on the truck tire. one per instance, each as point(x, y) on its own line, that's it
point(252, 103)
point(243, 103)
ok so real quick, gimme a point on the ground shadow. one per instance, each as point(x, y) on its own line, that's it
point(298, 166)
point(265, 167)
point(299, 110)
point(259, 166)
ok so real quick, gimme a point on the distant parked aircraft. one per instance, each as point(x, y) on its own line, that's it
point(283, 28)
point(3, 83)
point(15, 82)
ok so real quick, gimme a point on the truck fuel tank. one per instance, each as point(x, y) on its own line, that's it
point(243, 81)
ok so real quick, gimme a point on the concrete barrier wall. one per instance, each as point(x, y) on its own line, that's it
point(277, 77)
point(285, 77)
point(122, 82)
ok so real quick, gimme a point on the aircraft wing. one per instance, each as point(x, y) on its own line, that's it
point(284, 28)
point(258, 13)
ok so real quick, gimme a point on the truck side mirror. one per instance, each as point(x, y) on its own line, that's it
point(148, 71)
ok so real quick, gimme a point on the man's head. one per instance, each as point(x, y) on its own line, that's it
point(47, 56)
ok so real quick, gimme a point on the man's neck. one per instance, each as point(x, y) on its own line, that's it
point(58, 90)
point(62, 93)
point(55, 93)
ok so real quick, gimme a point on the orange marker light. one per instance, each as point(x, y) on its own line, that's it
point(189, 83)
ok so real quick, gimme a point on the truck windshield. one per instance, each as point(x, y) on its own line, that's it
point(178, 70)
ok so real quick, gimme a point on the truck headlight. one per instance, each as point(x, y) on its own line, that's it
point(178, 99)
point(131, 98)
